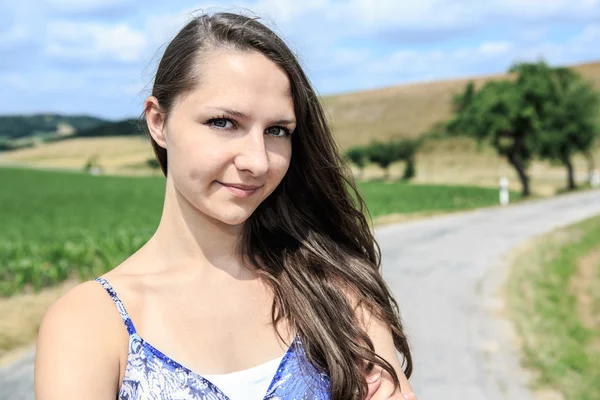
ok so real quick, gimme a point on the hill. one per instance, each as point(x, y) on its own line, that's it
point(125, 127)
point(21, 126)
point(406, 110)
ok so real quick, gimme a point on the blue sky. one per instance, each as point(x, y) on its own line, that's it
point(98, 57)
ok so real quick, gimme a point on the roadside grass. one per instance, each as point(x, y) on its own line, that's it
point(553, 298)
point(386, 198)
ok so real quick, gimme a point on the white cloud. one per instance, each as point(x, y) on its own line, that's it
point(94, 41)
point(482, 59)
point(591, 34)
point(402, 14)
point(363, 17)
point(533, 34)
point(495, 48)
point(580, 48)
point(285, 12)
point(542, 9)
point(89, 8)
point(46, 82)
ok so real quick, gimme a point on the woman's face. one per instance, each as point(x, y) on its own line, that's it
point(228, 140)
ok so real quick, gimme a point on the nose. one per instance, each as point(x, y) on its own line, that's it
point(253, 156)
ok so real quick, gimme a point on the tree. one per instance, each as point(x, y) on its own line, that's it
point(357, 155)
point(570, 124)
point(406, 150)
point(500, 114)
point(550, 112)
point(385, 153)
point(152, 163)
point(382, 154)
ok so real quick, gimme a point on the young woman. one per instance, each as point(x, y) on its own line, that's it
point(263, 279)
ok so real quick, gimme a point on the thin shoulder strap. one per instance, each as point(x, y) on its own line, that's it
point(119, 303)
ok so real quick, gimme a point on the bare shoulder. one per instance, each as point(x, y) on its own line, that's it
point(380, 334)
point(78, 346)
point(87, 308)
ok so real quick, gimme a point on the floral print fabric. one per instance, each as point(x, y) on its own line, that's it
point(150, 374)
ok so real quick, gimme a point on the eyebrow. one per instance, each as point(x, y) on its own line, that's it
point(242, 115)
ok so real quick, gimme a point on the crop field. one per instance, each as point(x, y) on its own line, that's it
point(62, 225)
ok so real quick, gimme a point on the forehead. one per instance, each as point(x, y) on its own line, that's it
point(247, 79)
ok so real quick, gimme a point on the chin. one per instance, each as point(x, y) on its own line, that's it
point(234, 221)
point(235, 217)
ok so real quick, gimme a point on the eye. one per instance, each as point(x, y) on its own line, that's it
point(220, 123)
point(278, 131)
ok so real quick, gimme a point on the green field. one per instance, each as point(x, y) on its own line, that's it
point(553, 294)
point(384, 198)
point(57, 225)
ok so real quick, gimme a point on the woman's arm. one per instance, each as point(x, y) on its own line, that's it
point(380, 383)
point(76, 354)
point(381, 336)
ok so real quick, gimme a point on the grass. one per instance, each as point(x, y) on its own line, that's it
point(399, 197)
point(21, 317)
point(553, 295)
point(60, 225)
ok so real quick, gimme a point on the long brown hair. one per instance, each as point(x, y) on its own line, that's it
point(310, 239)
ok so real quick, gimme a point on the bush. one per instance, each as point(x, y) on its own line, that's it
point(382, 154)
point(91, 163)
point(153, 163)
point(357, 155)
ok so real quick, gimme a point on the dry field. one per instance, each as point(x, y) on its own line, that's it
point(357, 118)
point(117, 155)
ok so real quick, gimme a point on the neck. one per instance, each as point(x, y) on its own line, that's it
point(188, 238)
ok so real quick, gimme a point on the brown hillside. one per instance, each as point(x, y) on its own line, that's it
point(405, 110)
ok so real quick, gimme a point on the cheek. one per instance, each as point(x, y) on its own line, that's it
point(206, 165)
point(280, 163)
point(198, 164)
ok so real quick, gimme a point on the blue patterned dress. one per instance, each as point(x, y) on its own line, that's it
point(151, 374)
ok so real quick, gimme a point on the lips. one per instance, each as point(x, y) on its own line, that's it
point(240, 190)
point(240, 186)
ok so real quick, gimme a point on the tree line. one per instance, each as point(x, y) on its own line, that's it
point(538, 112)
point(385, 153)
point(21, 126)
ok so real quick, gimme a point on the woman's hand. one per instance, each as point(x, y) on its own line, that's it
point(382, 388)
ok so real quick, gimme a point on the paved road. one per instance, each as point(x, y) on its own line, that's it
point(444, 272)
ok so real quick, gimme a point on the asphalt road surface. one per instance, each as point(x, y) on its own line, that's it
point(445, 273)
